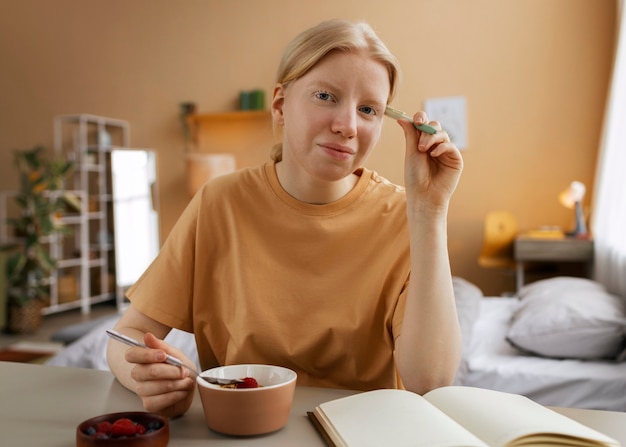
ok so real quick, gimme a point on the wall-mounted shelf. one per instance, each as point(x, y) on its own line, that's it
point(246, 134)
point(237, 115)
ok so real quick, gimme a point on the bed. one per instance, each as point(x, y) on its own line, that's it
point(561, 342)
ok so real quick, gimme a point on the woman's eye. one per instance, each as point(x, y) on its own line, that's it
point(324, 96)
point(368, 110)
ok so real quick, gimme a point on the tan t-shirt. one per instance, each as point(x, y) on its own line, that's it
point(260, 277)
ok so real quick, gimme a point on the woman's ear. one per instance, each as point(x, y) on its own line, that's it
point(278, 100)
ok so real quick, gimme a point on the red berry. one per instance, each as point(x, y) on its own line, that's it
point(248, 382)
point(140, 429)
point(123, 427)
point(104, 427)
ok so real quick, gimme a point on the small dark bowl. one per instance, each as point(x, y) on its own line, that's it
point(157, 438)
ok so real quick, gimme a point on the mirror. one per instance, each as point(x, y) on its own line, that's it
point(135, 215)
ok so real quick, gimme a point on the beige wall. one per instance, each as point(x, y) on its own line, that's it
point(534, 72)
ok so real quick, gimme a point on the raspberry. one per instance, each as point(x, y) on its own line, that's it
point(248, 382)
point(104, 427)
point(123, 427)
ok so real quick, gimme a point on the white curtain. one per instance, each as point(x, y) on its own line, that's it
point(609, 214)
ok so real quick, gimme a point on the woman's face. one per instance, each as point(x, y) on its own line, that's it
point(332, 116)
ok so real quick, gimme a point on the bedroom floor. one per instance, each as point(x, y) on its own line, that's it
point(55, 322)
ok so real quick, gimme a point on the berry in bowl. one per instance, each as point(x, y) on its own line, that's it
point(125, 429)
point(258, 403)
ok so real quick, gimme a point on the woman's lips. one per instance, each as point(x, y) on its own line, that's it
point(338, 151)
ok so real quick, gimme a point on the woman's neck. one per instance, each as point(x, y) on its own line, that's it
point(312, 190)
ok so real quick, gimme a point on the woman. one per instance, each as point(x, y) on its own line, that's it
point(304, 262)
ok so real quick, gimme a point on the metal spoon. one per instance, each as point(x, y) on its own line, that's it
point(171, 359)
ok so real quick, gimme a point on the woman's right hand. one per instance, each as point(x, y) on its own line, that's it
point(163, 388)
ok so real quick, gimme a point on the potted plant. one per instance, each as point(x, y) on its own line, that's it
point(41, 201)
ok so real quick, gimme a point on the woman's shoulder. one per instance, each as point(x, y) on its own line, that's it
point(379, 194)
point(381, 183)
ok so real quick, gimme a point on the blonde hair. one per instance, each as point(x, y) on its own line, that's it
point(313, 44)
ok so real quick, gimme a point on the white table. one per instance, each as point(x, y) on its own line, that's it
point(42, 405)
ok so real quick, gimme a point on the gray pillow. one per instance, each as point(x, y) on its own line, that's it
point(621, 357)
point(467, 297)
point(569, 318)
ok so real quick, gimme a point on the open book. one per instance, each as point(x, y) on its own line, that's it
point(448, 416)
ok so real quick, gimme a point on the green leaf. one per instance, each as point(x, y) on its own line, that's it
point(47, 226)
point(45, 260)
point(31, 240)
point(15, 266)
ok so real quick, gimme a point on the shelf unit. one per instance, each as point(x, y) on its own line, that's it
point(86, 257)
point(65, 289)
point(88, 270)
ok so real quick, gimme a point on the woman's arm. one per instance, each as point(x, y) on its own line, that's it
point(428, 350)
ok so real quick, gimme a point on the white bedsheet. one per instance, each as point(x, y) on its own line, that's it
point(89, 351)
point(493, 363)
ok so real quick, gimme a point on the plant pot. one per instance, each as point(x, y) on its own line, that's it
point(24, 318)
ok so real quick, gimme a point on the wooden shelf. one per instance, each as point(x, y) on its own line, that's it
point(237, 115)
point(246, 134)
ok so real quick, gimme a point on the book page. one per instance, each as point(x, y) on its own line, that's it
point(499, 418)
point(390, 417)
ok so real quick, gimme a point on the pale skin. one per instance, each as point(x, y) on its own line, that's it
point(331, 119)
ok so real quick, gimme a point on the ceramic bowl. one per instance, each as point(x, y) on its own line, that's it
point(157, 431)
point(248, 411)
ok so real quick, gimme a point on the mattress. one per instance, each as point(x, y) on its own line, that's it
point(493, 363)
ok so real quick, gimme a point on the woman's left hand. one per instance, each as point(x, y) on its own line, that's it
point(433, 164)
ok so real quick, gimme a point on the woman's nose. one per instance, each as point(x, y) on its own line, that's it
point(345, 122)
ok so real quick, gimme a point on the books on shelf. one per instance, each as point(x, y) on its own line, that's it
point(448, 416)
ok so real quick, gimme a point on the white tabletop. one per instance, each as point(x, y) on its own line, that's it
point(42, 405)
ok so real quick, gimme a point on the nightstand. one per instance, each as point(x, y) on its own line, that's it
point(548, 249)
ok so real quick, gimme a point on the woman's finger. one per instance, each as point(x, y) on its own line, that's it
point(157, 387)
point(142, 372)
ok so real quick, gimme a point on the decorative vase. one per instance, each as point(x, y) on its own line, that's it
point(24, 318)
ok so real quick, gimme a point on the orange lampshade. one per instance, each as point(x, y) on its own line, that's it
point(574, 193)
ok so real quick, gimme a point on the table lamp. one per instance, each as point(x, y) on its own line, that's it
point(572, 198)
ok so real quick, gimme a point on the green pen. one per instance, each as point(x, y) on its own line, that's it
point(398, 115)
